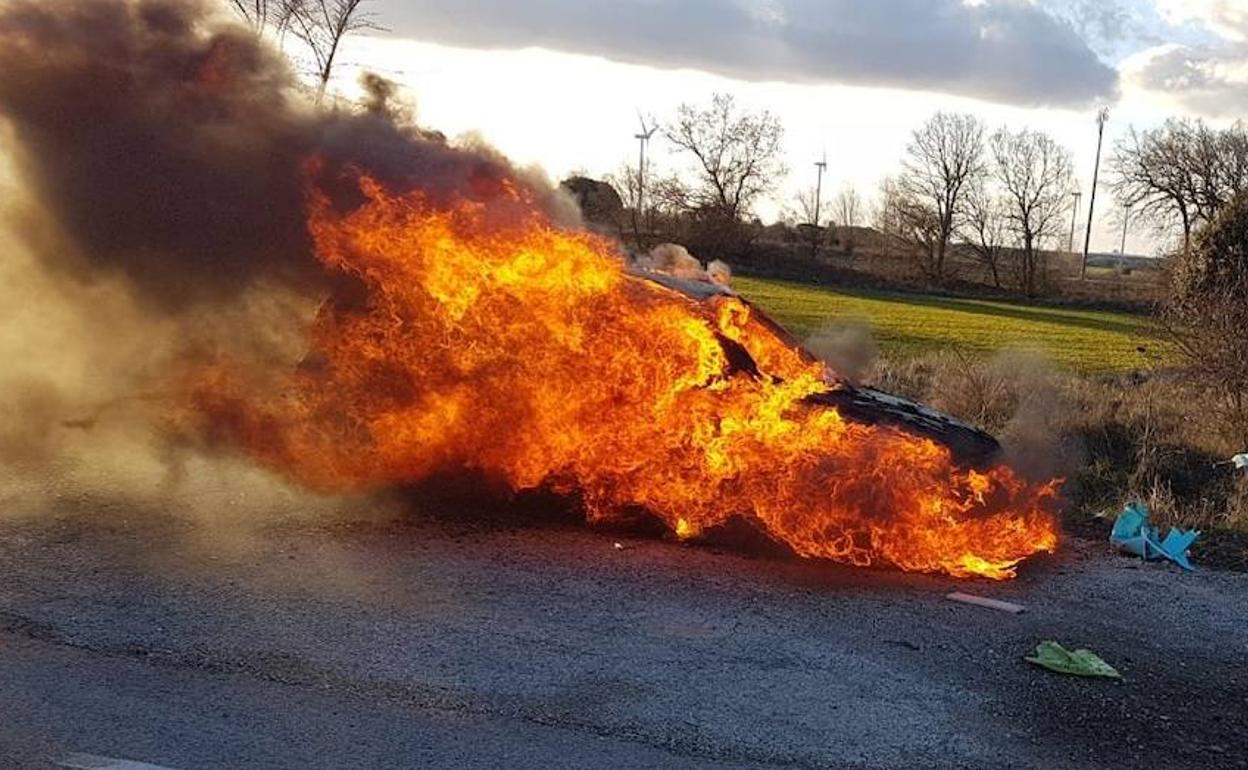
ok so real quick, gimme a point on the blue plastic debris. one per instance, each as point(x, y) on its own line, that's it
point(1132, 533)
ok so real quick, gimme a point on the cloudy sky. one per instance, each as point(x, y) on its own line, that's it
point(558, 83)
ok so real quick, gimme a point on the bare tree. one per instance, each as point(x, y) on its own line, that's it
point(258, 14)
point(812, 220)
point(847, 206)
point(847, 212)
point(1218, 160)
point(803, 209)
point(885, 216)
point(1181, 173)
point(737, 154)
point(943, 160)
point(907, 221)
point(669, 202)
point(984, 229)
point(1233, 158)
point(671, 195)
point(322, 25)
point(627, 182)
point(1036, 176)
point(1150, 173)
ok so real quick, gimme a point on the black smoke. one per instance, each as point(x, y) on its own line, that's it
point(155, 160)
point(169, 146)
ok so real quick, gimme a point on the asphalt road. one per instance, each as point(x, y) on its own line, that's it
point(373, 635)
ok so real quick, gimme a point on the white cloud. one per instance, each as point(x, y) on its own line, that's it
point(1211, 81)
point(1211, 77)
point(1010, 51)
point(1227, 19)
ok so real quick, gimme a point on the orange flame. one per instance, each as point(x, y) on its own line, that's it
point(493, 341)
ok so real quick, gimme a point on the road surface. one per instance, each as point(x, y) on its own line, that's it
point(378, 636)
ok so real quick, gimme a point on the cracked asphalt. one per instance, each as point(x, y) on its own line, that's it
point(376, 635)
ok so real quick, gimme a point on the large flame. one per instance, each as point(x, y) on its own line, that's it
point(493, 341)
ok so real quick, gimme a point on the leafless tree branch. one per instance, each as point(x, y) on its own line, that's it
point(737, 154)
point(1182, 173)
point(322, 25)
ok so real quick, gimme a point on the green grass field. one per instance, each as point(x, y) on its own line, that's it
point(1086, 341)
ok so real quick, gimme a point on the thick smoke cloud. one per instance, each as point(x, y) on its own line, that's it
point(154, 160)
point(1005, 50)
point(171, 149)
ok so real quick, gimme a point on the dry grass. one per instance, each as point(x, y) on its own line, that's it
point(1141, 436)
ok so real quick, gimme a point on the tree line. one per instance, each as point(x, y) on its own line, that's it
point(1002, 196)
point(990, 191)
point(957, 183)
point(1182, 173)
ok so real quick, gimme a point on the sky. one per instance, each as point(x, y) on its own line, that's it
point(559, 83)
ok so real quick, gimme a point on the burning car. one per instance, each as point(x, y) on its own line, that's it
point(487, 339)
point(968, 444)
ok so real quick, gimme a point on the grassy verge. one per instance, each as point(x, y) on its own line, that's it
point(906, 325)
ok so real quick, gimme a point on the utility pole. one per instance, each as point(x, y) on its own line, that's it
point(1101, 118)
point(642, 139)
point(821, 166)
point(1074, 217)
point(1126, 217)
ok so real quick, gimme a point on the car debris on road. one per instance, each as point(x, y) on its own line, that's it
point(1132, 533)
point(1053, 656)
point(983, 601)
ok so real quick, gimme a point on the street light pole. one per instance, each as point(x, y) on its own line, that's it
point(1126, 217)
point(1101, 118)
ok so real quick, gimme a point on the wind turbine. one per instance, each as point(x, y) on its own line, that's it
point(821, 166)
point(643, 139)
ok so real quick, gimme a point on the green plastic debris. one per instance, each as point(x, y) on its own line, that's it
point(1055, 657)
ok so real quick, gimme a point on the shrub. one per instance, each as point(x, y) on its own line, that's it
point(1208, 314)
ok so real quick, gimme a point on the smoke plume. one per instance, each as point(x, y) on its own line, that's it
point(169, 147)
point(848, 347)
point(154, 159)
